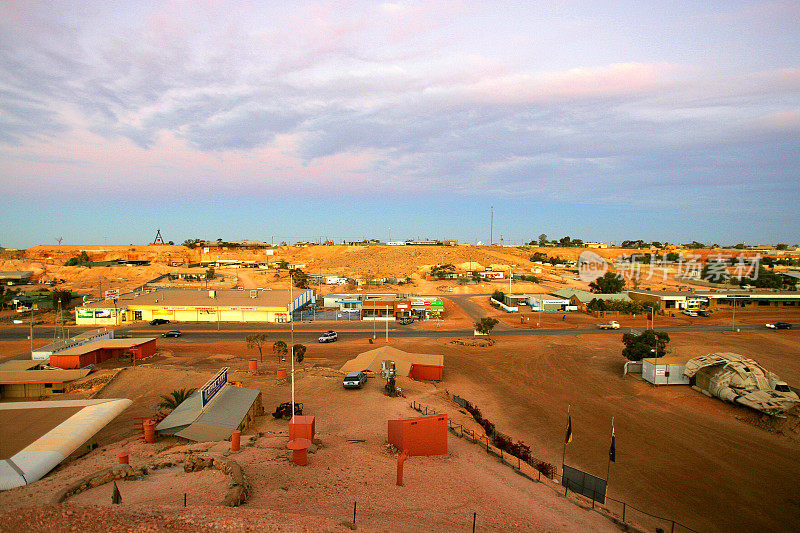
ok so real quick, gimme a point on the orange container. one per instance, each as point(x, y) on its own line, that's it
point(302, 427)
point(281, 374)
point(149, 431)
point(122, 457)
point(253, 365)
point(236, 440)
point(424, 435)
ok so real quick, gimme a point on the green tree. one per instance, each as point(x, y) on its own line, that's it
point(65, 297)
point(299, 352)
point(442, 270)
point(299, 278)
point(608, 283)
point(282, 264)
point(542, 239)
point(485, 325)
point(175, 398)
point(499, 295)
point(257, 340)
point(280, 349)
point(650, 343)
point(210, 273)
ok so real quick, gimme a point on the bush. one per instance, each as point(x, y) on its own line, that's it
point(545, 468)
point(499, 295)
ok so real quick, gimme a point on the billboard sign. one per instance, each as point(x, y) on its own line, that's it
point(85, 313)
point(112, 293)
point(102, 313)
point(214, 385)
point(586, 484)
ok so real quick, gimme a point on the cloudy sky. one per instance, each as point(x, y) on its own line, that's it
point(667, 121)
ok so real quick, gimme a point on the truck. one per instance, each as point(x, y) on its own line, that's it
point(611, 325)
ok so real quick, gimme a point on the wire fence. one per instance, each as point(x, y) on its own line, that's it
point(617, 510)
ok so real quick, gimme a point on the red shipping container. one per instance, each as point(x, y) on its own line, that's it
point(424, 435)
point(426, 372)
point(302, 427)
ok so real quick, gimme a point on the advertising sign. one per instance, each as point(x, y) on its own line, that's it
point(85, 313)
point(214, 385)
point(112, 293)
point(176, 308)
point(102, 313)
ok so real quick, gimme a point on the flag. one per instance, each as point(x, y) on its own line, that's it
point(612, 451)
point(116, 497)
point(568, 437)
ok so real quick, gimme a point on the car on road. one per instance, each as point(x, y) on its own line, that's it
point(779, 325)
point(611, 325)
point(688, 312)
point(329, 336)
point(354, 380)
point(159, 321)
point(171, 333)
point(703, 312)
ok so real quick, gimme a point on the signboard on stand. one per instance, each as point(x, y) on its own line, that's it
point(214, 385)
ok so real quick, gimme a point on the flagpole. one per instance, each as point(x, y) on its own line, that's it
point(564, 453)
point(613, 447)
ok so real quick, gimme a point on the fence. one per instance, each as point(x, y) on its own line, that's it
point(617, 510)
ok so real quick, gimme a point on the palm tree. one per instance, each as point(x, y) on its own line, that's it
point(174, 398)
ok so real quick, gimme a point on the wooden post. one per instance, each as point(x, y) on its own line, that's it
point(354, 512)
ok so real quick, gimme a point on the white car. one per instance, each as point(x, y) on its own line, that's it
point(687, 312)
point(329, 336)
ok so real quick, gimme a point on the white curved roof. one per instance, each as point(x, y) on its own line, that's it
point(41, 455)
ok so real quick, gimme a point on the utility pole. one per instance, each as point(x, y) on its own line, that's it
point(491, 226)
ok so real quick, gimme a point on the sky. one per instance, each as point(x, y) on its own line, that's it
point(288, 121)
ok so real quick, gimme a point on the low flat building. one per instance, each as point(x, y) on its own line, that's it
point(665, 370)
point(186, 305)
point(548, 303)
point(44, 352)
point(102, 350)
point(15, 277)
point(696, 299)
point(580, 298)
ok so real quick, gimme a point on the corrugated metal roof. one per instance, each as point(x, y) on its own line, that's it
point(183, 415)
point(17, 365)
point(216, 422)
point(104, 344)
point(198, 298)
point(41, 376)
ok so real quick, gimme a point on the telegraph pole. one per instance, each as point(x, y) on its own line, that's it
point(491, 226)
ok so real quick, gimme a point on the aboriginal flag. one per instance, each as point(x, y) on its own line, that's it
point(568, 437)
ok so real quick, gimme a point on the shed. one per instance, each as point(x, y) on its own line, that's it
point(665, 370)
point(424, 435)
point(102, 350)
point(230, 409)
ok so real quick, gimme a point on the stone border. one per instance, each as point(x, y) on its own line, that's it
point(238, 487)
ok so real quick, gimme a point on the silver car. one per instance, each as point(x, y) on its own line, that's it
point(354, 380)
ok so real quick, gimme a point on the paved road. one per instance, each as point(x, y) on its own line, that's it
point(350, 330)
point(464, 301)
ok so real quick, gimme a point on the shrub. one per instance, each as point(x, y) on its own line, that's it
point(545, 468)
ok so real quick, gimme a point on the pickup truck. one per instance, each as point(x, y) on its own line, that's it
point(611, 325)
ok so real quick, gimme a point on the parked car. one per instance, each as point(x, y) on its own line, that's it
point(354, 380)
point(159, 321)
point(611, 325)
point(329, 336)
point(171, 333)
point(779, 325)
point(703, 312)
point(688, 312)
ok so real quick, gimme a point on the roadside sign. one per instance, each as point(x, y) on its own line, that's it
point(112, 293)
point(214, 385)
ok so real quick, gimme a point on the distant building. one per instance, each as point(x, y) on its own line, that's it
point(186, 305)
point(595, 245)
point(15, 277)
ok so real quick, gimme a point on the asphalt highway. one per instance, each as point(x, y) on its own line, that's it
point(347, 330)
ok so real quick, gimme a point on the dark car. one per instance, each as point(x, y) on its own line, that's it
point(354, 380)
point(704, 312)
point(329, 336)
point(780, 325)
point(171, 333)
point(159, 321)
